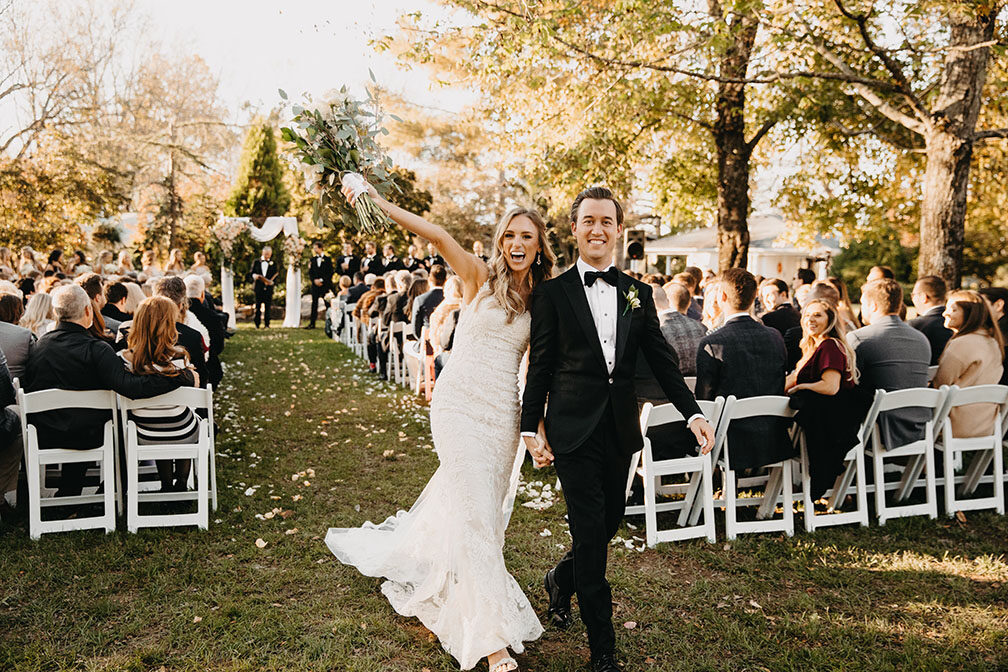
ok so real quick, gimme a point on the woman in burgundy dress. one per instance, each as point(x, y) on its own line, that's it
point(822, 389)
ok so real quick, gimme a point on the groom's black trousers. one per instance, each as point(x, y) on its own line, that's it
point(593, 478)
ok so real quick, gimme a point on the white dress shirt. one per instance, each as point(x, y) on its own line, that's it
point(602, 303)
point(264, 265)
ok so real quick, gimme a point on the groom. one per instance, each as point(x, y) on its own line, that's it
point(588, 326)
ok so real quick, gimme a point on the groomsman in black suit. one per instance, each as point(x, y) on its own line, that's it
point(433, 258)
point(320, 276)
point(412, 262)
point(348, 264)
point(263, 275)
point(929, 299)
point(390, 262)
point(371, 263)
point(588, 327)
point(477, 249)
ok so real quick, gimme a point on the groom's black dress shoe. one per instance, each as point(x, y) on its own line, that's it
point(606, 663)
point(559, 613)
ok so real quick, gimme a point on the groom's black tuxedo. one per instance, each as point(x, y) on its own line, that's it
point(566, 365)
point(592, 422)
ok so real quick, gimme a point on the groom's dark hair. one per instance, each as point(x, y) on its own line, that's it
point(596, 194)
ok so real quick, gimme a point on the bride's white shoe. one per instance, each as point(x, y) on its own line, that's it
point(508, 664)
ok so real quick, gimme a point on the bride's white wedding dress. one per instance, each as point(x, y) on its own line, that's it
point(443, 558)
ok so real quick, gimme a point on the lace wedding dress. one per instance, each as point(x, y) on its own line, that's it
point(443, 558)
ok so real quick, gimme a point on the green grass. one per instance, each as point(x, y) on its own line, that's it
point(914, 595)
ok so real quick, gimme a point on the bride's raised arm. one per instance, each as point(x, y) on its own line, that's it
point(470, 268)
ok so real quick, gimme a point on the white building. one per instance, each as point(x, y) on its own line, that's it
point(769, 256)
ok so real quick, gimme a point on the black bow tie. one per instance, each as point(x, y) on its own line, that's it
point(609, 275)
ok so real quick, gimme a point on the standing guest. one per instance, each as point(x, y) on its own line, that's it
point(176, 262)
point(477, 248)
point(16, 342)
point(848, 320)
point(201, 268)
point(997, 297)
point(390, 262)
point(116, 298)
point(681, 332)
point(210, 323)
point(124, 265)
point(348, 264)
point(433, 258)
point(70, 358)
point(149, 265)
point(804, 277)
point(359, 288)
point(39, 317)
point(320, 272)
point(928, 297)
point(263, 274)
point(747, 359)
point(974, 356)
point(780, 312)
point(822, 392)
point(371, 262)
point(891, 355)
point(425, 305)
point(153, 351)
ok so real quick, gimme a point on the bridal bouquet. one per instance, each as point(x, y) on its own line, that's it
point(332, 139)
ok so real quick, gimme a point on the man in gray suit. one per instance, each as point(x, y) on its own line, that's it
point(16, 342)
point(891, 355)
point(682, 333)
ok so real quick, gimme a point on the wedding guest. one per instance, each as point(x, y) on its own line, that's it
point(371, 262)
point(100, 326)
point(348, 264)
point(362, 308)
point(802, 284)
point(201, 268)
point(70, 358)
point(39, 317)
point(320, 272)
point(263, 276)
point(997, 297)
point(149, 266)
point(424, 305)
point(176, 262)
point(78, 264)
point(16, 342)
point(880, 273)
point(443, 321)
point(822, 393)
point(819, 289)
point(359, 288)
point(418, 287)
point(7, 261)
point(928, 297)
point(211, 324)
point(116, 298)
point(124, 265)
point(974, 356)
point(153, 351)
point(848, 320)
point(390, 262)
point(134, 296)
point(106, 263)
point(344, 286)
point(393, 311)
point(780, 312)
point(891, 355)
point(697, 276)
point(685, 279)
point(27, 262)
point(681, 332)
point(747, 359)
point(711, 317)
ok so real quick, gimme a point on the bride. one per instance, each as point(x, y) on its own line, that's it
point(443, 559)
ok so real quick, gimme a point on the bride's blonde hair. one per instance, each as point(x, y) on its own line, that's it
point(499, 281)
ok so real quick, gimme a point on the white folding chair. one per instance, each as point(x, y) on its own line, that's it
point(422, 373)
point(394, 368)
point(698, 467)
point(986, 449)
point(919, 454)
point(853, 474)
point(37, 458)
point(776, 484)
point(201, 452)
point(932, 372)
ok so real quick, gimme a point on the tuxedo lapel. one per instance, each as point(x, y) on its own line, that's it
point(623, 316)
point(579, 302)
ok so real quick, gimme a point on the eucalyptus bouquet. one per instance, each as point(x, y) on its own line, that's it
point(333, 138)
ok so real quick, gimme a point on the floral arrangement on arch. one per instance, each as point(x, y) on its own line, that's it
point(226, 231)
point(293, 247)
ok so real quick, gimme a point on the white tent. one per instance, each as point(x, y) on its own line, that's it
point(769, 256)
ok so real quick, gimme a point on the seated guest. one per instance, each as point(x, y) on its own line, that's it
point(392, 311)
point(974, 356)
point(681, 332)
point(200, 268)
point(116, 298)
point(443, 321)
point(345, 283)
point(746, 359)
point(880, 273)
point(822, 392)
point(819, 289)
point(358, 290)
point(891, 355)
point(425, 305)
point(95, 288)
point(70, 358)
point(153, 352)
point(804, 277)
point(16, 342)
point(134, 297)
point(712, 317)
point(695, 311)
point(780, 312)
point(929, 299)
point(209, 320)
point(418, 287)
point(997, 297)
point(124, 264)
point(848, 320)
point(38, 316)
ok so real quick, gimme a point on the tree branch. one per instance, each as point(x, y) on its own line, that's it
point(764, 129)
point(990, 133)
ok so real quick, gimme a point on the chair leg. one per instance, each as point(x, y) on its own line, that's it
point(806, 481)
point(35, 475)
point(707, 497)
point(203, 487)
point(998, 458)
point(132, 488)
point(879, 476)
point(650, 511)
point(729, 497)
point(931, 481)
point(948, 464)
point(690, 504)
point(862, 488)
point(788, 502)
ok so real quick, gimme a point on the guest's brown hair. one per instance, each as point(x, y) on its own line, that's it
point(92, 284)
point(977, 315)
point(739, 286)
point(886, 294)
point(933, 286)
point(153, 337)
point(11, 308)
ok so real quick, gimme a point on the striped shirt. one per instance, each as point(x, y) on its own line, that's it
point(164, 424)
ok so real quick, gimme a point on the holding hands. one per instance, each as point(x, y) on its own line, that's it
point(539, 448)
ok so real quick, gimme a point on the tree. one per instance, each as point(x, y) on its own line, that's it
point(259, 189)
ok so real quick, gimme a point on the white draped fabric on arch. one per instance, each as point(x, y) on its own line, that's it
point(270, 229)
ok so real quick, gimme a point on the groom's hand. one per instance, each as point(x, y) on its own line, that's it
point(539, 450)
point(704, 434)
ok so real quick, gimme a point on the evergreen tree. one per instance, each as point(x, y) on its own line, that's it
point(259, 190)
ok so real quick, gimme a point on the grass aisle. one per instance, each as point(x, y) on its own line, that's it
point(309, 440)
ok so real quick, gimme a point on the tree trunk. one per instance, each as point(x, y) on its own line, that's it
point(949, 144)
point(733, 151)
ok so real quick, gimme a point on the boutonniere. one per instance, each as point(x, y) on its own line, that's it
point(633, 301)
